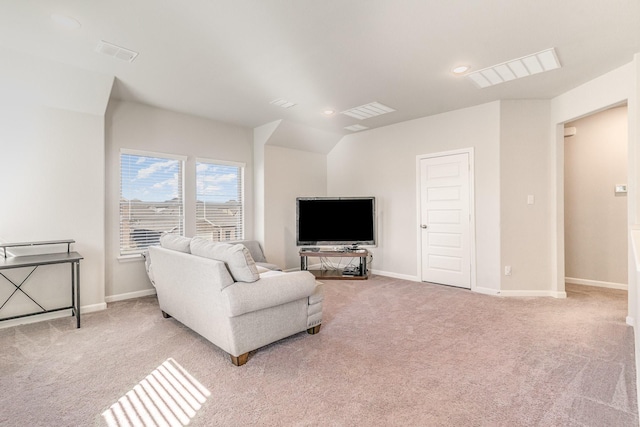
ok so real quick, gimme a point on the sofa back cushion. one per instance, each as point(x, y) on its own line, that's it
point(176, 243)
point(254, 249)
point(236, 257)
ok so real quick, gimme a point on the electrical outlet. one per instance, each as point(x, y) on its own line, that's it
point(507, 270)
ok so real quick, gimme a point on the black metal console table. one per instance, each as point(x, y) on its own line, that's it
point(36, 261)
point(361, 271)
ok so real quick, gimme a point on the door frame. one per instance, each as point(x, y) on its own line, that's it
point(558, 275)
point(472, 210)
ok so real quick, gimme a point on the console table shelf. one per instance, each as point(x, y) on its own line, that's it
point(337, 274)
point(35, 261)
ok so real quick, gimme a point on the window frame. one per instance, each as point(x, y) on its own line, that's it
point(242, 172)
point(125, 253)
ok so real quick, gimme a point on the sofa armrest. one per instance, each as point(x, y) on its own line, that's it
point(269, 291)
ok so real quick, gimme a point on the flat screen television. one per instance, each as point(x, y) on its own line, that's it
point(336, 221)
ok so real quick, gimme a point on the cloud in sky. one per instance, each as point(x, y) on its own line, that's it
point(153, 168)
point(217, 183)
point(156, 180)
point(149, 179)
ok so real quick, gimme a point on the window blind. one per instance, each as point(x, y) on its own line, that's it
point(151, 200)
point(219, 200)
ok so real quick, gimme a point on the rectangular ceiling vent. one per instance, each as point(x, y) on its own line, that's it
point(367, 111)
point(282, 103)
point(356, 128)
point(117, 52)
point(546, 60)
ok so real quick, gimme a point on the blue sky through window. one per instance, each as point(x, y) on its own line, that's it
point(217, 183)
point(154, 179)
point(149, 179)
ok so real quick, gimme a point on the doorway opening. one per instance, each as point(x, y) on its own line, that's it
point(595, 199)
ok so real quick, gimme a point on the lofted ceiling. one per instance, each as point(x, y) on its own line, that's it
point(228, 59)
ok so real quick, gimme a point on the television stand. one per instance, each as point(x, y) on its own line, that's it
point(358, 273)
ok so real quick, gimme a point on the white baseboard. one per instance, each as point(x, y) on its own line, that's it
point(83, 310)
point(532, 293)
point(130, 295)
point(396, 275)
point(477, 289)
point(486, 291)
point(598, 283)
point(50, 316)
point(93, 307)
point(480, 290)
point(36, 318)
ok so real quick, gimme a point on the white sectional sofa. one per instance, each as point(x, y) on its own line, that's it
point(218, 291)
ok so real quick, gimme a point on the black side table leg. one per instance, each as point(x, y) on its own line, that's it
point(78, 294)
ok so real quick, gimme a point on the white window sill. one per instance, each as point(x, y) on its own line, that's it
point(130, 258)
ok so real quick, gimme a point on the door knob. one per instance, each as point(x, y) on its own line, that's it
point(423, 226)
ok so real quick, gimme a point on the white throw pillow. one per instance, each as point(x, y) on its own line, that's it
point(236, 257)
point(176, 243)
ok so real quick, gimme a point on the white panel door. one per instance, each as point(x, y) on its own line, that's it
point(445, 220)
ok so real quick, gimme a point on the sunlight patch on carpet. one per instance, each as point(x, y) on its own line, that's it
point(168, 396)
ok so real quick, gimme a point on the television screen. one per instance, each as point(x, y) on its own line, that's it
point(328, 221)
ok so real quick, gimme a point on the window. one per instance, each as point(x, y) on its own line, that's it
point(151, 199)
point(219, 200)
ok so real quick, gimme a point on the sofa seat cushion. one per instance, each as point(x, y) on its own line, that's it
point(269, 266)
point(261, 269)
point(273, 288)
point(236, 257)
point(269, 273)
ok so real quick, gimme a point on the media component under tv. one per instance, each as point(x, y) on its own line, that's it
point(336, 221)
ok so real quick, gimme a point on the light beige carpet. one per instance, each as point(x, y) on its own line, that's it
point(390, 353)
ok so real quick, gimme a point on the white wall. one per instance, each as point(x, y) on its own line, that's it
point(139, 127)
point(632, 204)
point(382, 163)
point(595, 217)
point(261, 136)
point(52, 174)
point(30, 80)
point(289, 174)
point(524, 171)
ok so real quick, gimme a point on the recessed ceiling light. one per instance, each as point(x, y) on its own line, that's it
point(460, 69)
point(282, 103)
point(66, 21)
point(368, 110)
point(329, 112)
point(545, 60)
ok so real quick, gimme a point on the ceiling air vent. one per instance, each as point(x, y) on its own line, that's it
point(117, 52)
point(516, 68)
point(356, 128)
point(368, 110)
point(282, 103)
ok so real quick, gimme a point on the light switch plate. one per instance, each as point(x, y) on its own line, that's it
point(621, 189)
